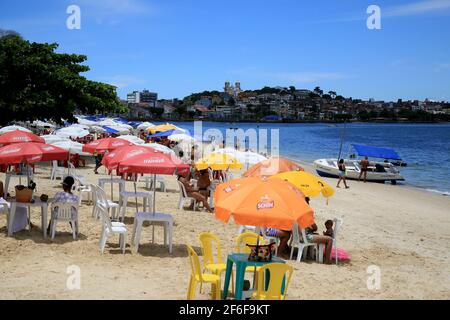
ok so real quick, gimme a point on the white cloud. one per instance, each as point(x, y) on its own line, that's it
point(291, 77)
point(117, 7)
point(308, 77)
point(121, 81)
point(114, 12)
point(442, 67)
point(417, 8)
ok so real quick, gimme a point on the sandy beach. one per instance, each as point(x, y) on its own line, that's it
point(404, 231)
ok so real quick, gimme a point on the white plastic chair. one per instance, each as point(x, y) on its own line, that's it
point(62, 211)
point(88, 190)
point(300, 243)
point(337, 226)
point(159, 179)
point(101, 200)
point(57, 172)
point(74, 173)
point(111, 227)
point(184, 197)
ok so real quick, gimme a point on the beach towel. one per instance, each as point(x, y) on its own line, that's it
point(342, 255)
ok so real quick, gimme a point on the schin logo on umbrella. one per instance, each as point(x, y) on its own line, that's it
point(154, 160)
point(228, 189)
point(265, 203)
point(48, 148)
point(34, 158)
point(117, 143)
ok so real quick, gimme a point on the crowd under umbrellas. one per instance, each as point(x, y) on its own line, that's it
point(270, 194)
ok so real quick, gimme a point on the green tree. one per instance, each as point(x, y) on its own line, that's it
point(36, 82)
point(157, 112)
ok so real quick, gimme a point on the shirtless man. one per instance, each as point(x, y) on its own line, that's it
point(364, 164)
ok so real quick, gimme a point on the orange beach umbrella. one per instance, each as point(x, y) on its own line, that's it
point(259, 202)
point(271, 167)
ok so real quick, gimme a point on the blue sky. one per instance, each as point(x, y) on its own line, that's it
point(176, 47)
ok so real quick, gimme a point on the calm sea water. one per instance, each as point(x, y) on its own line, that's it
point(425, 147)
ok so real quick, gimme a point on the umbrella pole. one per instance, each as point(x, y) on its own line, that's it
point(135, 192)
point(258, 231)
point(154, 195)
point(112, 187)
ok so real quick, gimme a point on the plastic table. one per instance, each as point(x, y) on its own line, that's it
point(37, 203)
point(9, 175)
point(241, 261)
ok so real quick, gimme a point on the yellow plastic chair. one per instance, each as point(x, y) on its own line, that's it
point(198, 277)
point(247, 238)
point(216, 266)
point(277, 273)
point(241, 245)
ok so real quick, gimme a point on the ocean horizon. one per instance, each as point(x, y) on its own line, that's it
point(424, 147)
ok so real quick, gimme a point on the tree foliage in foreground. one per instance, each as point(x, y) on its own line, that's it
point(38, 83)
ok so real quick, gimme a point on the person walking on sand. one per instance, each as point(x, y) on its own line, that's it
point(364, 164)
point(341, 167)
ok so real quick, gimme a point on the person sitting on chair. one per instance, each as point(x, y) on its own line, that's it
point(65, 196)
point(193, 193)
point(203, 182)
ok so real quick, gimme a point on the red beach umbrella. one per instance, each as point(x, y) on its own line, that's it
point(18, 136)
point(114, 158)
point(154, 163)
point(31, 152)
point(107, 144)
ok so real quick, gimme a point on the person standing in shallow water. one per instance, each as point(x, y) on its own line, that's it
point(341, 167)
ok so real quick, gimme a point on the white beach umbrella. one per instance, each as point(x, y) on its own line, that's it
point(132, 139)
point(113, 124)
point(51, 138)
point(71, 146)
point(12, 128)
point(96, 129)
point(158, 147)
point(245, 157)
point(179, 137)
point(72, 131)
point(145, 125)
point(42, 124)
point(84, 121)
point(120, 129)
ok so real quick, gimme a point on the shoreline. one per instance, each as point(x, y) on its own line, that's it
point(402, 184)
point(288, 122)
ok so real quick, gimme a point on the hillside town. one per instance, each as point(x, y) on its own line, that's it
point(281, 104)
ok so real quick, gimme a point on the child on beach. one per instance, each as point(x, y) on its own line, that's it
point(329, 225)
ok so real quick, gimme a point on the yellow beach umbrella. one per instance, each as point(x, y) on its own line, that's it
point(308, 183)
point(162, 128)
point(218, 161)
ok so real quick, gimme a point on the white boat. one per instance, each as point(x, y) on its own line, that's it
point(377, 171)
